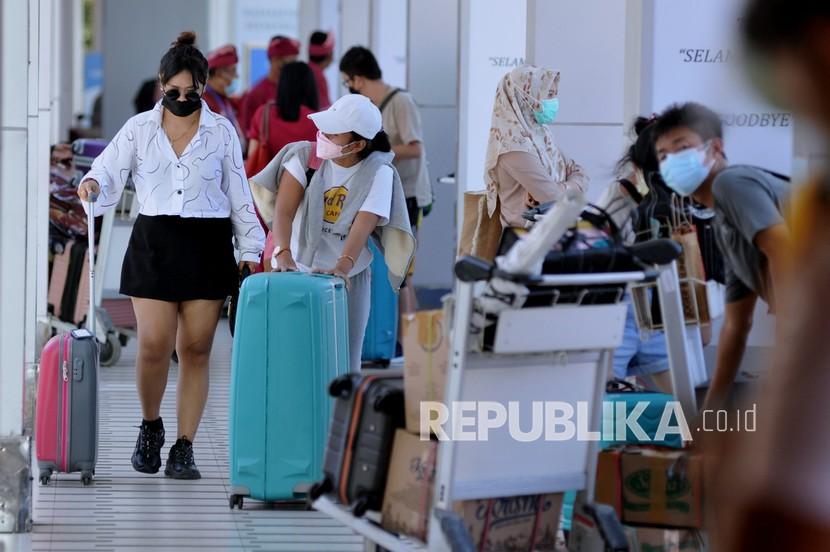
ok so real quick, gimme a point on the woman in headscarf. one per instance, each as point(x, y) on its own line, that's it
point(524, 166)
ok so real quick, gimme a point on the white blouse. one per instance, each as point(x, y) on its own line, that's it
point(207, 181)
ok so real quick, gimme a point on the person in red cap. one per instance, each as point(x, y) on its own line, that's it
point(222, 78)
point(281, 50)
point(320, 56)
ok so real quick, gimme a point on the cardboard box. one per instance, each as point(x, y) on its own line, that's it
point(408, 497)
point(652, 486)
point(511, 522)
point(426, 356)
point(407, 504)
point(656, 539)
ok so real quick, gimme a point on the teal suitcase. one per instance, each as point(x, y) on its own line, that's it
point(291, 340)
point(382, 328)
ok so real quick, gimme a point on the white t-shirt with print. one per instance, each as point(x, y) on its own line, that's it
point(336, 189)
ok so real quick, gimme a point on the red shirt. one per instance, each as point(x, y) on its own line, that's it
point(282, 132)
point(322, 86)
point(263, 91)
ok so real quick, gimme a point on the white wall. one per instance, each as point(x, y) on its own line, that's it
point(590, 125)
point(433, 81)
point(134, 38)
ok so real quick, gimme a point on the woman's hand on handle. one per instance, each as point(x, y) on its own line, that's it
point(89, 190)
point(284, 263)
point(338, 271)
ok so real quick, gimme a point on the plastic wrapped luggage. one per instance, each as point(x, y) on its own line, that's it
point(291, 340)
point(382, 328)
point(368, 408)
point(620, 391)
point(66, 419)
point(84, 152)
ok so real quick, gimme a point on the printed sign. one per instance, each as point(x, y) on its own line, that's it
point(696, 57)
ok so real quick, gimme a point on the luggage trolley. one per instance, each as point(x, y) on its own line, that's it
point(508, 362)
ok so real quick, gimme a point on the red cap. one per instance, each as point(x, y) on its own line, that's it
point(324, 49)
point(283, 47)
point(223, 56)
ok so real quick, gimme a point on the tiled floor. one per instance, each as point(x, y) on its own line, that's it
point(124, 510)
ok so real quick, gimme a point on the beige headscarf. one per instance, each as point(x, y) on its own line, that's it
point(513, 127)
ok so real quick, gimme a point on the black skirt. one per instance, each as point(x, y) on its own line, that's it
point(176, 259)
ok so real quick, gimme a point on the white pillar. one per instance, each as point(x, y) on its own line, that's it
point(389, 39)
point(492, 36)
point(25, 128)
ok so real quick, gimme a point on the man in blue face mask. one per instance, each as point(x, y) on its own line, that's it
point(748, 203)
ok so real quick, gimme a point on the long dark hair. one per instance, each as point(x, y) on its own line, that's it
point(379, 143)
point(297, 88)
point(183, 55)
point(641, 153)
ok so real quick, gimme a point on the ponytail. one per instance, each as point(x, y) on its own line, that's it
point(379, 143)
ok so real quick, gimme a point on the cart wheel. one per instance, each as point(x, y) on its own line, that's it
point(123, 339)
point(110, 351)
point(86, 478)
point(360, 506)
point(236, 501)
point(44, 479)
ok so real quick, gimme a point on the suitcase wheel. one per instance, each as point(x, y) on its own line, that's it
point(320, 488)
point(236, 500)
point(341, 386)
point(361, 505)
point(44, 478)
point(86, 478)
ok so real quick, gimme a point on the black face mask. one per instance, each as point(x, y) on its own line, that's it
point(353, 91)
point(171, 101)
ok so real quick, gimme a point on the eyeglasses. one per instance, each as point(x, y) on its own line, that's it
point(174, 94)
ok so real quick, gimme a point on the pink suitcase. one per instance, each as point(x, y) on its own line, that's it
point(66, 419)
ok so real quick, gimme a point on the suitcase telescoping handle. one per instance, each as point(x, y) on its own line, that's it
point(90, 225)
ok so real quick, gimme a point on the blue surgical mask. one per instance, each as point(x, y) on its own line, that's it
point(686, 170)
point(550, 108)
point(232, 88)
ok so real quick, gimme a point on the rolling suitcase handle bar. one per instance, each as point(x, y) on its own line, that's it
point(90, 225)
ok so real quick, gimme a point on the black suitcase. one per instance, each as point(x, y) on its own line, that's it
point(368, 408)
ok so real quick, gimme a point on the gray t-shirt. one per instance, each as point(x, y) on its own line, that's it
point(747, 200)
point(402, 122)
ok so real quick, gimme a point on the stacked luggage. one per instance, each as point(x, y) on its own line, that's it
point(69, 292)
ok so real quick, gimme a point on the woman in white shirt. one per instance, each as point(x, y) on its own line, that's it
point(186, 164)
point(356, 192)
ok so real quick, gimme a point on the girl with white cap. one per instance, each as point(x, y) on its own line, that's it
point(323, 217)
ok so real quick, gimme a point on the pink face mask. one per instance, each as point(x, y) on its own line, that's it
point(326, 149)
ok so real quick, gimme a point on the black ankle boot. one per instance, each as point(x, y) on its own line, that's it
point(147, 454)
point(180, 463)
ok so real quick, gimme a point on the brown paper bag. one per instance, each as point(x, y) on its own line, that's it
point(690, 268)
point(480, 233)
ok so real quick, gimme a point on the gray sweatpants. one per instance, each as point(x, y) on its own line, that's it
point(360, 301)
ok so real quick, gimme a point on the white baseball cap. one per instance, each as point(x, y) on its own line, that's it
point(351, 113)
